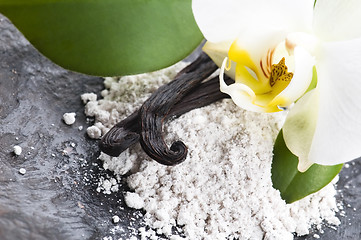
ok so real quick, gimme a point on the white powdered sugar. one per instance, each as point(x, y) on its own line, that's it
point(133, 200)
point(17, 150)
point(223, 190)
point(69, 118)
point(107, 186)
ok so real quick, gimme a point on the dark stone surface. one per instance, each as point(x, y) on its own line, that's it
point(57, 197)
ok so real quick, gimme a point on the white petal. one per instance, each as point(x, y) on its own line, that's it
point(302, 78)
point(257, 43)
point(218, 52)
point(296, 15)
point(299, 128)
point(337, 19)
point(222, 20)
point(301, 39)
point(242, 96)
point(217, 19)
point(337, 137)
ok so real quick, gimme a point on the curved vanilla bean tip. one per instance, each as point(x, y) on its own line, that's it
point(155, 110)
point(174, 155)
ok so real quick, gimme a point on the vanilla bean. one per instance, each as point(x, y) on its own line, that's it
point(183, 94)
point(126, 133)
point(203, 95)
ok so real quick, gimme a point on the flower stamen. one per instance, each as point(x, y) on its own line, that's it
point(279, 73)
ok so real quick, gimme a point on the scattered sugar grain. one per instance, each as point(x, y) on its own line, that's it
point(22, 171)
point(107, 185)
point(223, 189)
point(17, 150)
point(115, 219)
point(69, 118)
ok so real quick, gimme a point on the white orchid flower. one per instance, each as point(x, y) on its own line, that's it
point(272, 47)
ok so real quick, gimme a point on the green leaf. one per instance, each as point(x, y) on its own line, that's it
point(293, 184)
point(107, 37)
point(313, 83)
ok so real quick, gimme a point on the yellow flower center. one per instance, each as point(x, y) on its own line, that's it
point(267, 80)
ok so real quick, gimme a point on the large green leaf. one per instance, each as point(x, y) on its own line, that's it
point(107, 37)
point(293, 184)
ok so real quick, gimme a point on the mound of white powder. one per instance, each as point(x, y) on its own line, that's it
point(223, 190)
